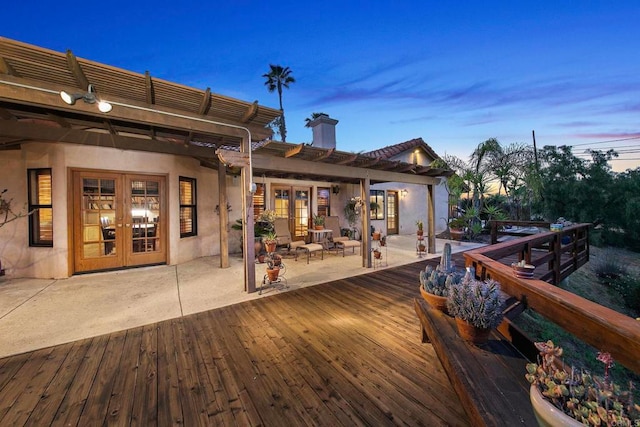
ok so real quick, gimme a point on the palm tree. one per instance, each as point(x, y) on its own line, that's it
point(308, 120)
point(279, 77)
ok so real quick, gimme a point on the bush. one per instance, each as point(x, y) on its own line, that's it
point(608, 267)
point(629, 287)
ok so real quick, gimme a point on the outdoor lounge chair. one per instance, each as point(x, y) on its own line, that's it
point(283, 235)
point(339, 242)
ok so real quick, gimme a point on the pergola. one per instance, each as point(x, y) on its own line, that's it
point(155, 115)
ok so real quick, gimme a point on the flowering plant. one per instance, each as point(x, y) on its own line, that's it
point(587, 398)
point(267, 216)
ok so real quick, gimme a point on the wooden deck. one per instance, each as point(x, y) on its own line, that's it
point(341, 353)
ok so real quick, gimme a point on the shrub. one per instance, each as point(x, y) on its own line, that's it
point(608, 267)
point(629, 287)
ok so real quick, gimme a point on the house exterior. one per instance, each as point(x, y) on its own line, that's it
point(160, 174)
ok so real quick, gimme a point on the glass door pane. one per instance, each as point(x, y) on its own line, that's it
point(301, 213)
point(145, 214)
point(392, 212)
point(281, 202)
point(98, 217)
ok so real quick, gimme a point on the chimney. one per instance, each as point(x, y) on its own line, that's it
point(324, 131)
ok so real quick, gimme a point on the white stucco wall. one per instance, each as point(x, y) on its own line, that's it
point(20, 260)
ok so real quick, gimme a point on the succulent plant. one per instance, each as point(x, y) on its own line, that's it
point(587, 398)
point(476, 302)
point(437, 281)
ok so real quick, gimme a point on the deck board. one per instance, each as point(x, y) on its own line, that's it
point(347, 352)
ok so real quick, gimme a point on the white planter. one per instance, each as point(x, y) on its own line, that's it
point(547, 414)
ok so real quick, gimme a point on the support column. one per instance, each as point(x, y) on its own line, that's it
point(248, 248)
point(431, 220)
point(224, 215)
point(365, 185)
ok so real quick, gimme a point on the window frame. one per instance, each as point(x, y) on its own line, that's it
point(34, 207)
point(193, 206)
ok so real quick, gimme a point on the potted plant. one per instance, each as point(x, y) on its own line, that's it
point(574, 397)
point(523, 270)
point(477, 306)
point(273, 269)
point(376, 235)
point(377, 254)
point(435, 284)
point(420, 226)
point(270, 241)
point(318, 222)
point(456, 228)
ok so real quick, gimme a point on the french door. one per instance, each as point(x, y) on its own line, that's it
point(294, 203)
point(392, 212)
point(118, 220)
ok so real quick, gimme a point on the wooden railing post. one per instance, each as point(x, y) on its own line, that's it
point(494, 232)
point(557, 244)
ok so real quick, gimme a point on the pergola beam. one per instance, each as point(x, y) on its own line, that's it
point(127, 111)
point(76, 71)
point(294, 151)
point(251, 113)
point(205, 103)
point(331, 170)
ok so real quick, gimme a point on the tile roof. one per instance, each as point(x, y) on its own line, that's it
point(393, 150)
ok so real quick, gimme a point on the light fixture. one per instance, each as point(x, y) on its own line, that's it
point(89, 97)
point(404, 192)
point(335, 189)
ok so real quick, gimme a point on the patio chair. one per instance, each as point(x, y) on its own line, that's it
point(335, 239)
point(283, 235)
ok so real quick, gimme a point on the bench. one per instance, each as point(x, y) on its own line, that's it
point(308, 248)
point(343, 244)
point(489, 380)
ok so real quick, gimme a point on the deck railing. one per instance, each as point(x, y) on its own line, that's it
point(601, 327)
point(563, 252)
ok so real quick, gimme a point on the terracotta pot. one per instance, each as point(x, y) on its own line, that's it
point(318, 227)
point(421, 248)
point(456, 234)
point(377, 254)
point(470, 333)
point(420, 232)
point(273, 274)
point(260, 258)
point(271, 247)
point(435, 301)
point(546, 412)
point(376, 236)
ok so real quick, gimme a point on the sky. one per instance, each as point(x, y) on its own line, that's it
point(452, 73)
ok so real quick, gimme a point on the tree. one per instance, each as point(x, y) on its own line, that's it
point(279, 77)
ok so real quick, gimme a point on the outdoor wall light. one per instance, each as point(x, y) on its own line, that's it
point(89, 97)
point(335, 189)
point(404, 192)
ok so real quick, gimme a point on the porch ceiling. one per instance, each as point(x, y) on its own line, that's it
point(155, 115)
point(320, 156)
point(31, 77)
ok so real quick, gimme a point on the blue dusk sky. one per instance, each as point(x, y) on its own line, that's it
point(452, 73)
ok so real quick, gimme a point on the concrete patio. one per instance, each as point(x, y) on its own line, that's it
point(38, 313)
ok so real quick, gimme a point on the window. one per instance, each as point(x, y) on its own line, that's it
point(40, 201)
point(323, 201)
point(188, 207)
point(376, 197)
